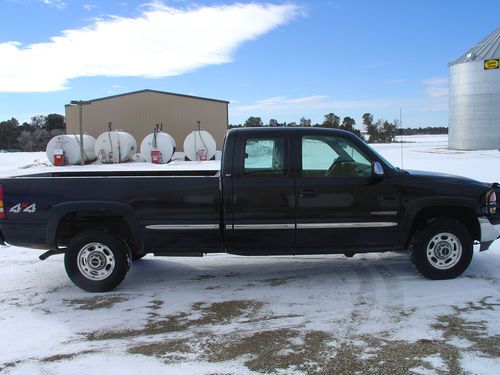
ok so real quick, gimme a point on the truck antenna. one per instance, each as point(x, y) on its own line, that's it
point(401, 133)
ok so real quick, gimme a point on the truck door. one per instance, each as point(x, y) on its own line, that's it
point(339, 204)
point(263, 195)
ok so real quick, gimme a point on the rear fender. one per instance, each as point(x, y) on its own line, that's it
point(106, 208)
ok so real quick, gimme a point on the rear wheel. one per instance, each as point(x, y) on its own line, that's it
point(441, 249)
point(97, 260)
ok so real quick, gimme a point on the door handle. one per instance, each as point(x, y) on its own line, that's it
point(308, 193)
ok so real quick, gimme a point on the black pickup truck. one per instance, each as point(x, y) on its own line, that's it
point(278, 191)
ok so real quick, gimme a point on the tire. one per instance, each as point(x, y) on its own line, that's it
point(97, 260)
point(441, 249)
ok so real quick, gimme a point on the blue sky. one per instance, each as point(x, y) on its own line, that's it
point(271, 59)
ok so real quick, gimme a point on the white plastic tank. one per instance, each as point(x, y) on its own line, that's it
point(165, 143)
point(70, 144)
point(115, 147)
point(199, 145)
point(173, 141)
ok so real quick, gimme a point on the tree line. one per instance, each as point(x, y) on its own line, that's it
point(30, 136)
point(375, 131)
point(34, 135)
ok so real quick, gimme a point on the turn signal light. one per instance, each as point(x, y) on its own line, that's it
point(492, 202)
point(2, 212)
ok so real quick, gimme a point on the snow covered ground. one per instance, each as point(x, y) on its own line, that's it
point(228, 314)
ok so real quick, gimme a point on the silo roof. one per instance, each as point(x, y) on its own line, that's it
point(488, 48)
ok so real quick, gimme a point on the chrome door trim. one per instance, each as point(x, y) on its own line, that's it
point(263, 226)
point(372, 224)
point(182, 226)
point(384, 213)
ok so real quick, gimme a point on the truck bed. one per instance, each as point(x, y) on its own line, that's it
point(151, 198)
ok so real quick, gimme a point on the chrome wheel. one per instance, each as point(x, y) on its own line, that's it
point(96, 261)
point(444, 251)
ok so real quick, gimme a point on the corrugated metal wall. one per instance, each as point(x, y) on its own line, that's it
point(474, 122)
point(138, 113)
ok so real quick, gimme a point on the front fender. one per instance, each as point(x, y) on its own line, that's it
point(415, 207)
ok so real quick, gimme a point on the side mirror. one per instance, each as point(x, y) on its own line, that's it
point(377, 170)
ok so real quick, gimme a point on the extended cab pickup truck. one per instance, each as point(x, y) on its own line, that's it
point(278, 191)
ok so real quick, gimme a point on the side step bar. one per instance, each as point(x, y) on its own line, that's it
point(178, 254)
point(50, 253)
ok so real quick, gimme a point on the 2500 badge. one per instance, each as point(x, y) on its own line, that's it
point(23, 207)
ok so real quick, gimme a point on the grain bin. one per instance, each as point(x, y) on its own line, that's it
point(115, 147)
point(199, 145)
point(474, 119)
point(67, 148)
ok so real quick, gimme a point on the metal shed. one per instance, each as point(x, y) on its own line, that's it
point(138, 112)
point(474, 119)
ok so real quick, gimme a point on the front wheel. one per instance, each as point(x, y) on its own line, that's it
point(97, 260)
point(442, 249)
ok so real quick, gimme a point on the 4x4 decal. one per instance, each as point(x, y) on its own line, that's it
point(23, 207)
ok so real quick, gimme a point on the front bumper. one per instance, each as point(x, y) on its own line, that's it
point(489, 233)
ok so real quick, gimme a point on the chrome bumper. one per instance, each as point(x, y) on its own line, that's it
point(489, 233)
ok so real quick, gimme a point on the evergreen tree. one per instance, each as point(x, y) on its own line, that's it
point(54, 121)
point(273, 123)
point(9, 131)
point(305, 122)
point(252, 122)
point(348, 124)
point(388, 132)
point(331, 121)
point(38, 122)
point(370, 127)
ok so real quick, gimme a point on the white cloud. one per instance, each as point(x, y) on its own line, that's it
point(280, 104)
point(435, 81)
point(89, 6)
point(392, 82)
point(435, 87)
point(115, 89)
point(436, 94)
point(434, 106)
point(161, 42)
point(436, 91)
point(59, 4)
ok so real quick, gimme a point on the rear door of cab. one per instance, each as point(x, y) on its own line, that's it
point(262, 201)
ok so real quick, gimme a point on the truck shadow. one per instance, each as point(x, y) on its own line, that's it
point(237, 271)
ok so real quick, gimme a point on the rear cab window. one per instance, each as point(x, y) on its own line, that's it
point(264, 156)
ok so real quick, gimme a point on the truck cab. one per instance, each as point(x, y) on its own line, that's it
point(294, 191)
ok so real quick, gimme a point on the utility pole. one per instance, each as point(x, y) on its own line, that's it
point(80, 104)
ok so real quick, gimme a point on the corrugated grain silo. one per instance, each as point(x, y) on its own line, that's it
point(474, 122)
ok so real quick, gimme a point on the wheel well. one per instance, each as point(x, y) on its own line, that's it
point(75, 222)
point(463, 214)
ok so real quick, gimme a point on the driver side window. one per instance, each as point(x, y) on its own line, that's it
point(330, 156)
